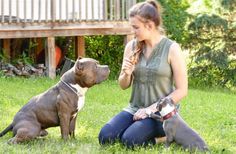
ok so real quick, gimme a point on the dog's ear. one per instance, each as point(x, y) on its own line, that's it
point(169, 101)
point(157, 107)
point(164, 101)
point(79, 66)
point(159, 104)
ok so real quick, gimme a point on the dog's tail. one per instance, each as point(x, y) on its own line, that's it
point(9, 128)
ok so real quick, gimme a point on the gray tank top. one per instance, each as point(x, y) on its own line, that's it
point(153, 78)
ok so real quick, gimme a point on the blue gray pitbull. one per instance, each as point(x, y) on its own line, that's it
point(59, 105)
point(176, 129)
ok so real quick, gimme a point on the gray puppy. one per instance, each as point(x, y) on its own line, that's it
point(176, 129)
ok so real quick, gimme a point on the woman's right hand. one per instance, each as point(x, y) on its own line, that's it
point(140, 114)
point(128, 66)
point(126, 77)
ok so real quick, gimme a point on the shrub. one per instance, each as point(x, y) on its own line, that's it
point(175, 18)
point(213, 61)
point(107, 50)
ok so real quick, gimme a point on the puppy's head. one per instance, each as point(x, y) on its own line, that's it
point(89, 72)
point(162, 103)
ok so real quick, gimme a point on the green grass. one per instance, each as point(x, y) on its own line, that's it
point(211, 112)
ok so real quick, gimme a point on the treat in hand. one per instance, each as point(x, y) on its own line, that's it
point(134, 59)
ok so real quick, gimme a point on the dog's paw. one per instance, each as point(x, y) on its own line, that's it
point(167, 145)
point(43, 133)
point(12, 141)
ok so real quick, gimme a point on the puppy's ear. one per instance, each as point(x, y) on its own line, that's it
point(157, 107)
point(169, 101)
point(160, 107)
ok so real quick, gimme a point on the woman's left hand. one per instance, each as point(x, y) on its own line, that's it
point(140, 114)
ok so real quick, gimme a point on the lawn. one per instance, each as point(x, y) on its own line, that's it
point(211, 112)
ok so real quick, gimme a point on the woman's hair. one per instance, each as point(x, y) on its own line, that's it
point(149, 10)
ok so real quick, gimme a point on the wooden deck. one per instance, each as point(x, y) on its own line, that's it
point(65, 29)
point(52, 18)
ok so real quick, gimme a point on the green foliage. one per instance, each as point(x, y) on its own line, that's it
point(175, 18)
point(67, 45)
point(3, 58)
point(213, 69)
point(23, 58)
point(212, 39)
point(26, 56)
point(107, 50)
point(204, 21)
point(228, 5)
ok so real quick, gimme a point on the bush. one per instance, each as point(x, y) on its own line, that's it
point(213, 40)
point(107, 50)
point(175, 18)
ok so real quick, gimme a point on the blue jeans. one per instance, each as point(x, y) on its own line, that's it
point(131, 133)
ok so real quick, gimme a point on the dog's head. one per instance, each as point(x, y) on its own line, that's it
point(163, 102)
point(86, 72)
point(89, 72)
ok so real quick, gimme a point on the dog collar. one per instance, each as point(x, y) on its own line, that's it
point(169, 115)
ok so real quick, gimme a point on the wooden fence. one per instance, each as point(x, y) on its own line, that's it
point(23, 11)
point(43, 18)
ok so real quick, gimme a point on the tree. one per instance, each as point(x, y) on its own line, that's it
point(212, 37)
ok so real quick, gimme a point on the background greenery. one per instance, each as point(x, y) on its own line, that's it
point(212, 42)
point(212, 116)
point(205, 29)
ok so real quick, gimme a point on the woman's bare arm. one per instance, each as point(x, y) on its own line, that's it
point(125, 77)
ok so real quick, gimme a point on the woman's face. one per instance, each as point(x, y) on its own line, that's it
point(139, 28)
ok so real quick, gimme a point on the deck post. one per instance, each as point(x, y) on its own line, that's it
point(80, 46)
point(7, 49)
point(50, 58)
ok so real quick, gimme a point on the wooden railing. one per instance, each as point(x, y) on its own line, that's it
point(39, 11)
point(44, 18)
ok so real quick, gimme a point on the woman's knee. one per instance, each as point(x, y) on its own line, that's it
point(130, 140)
point(134, 141)
point(127, 140)
point(107, 135)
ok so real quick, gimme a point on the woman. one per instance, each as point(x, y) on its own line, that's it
point(154, 67)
